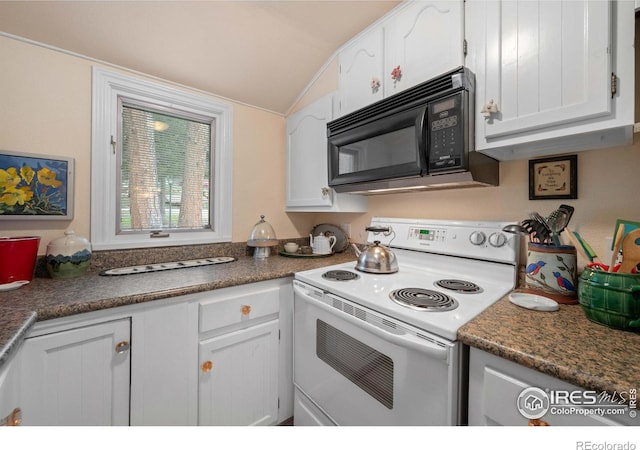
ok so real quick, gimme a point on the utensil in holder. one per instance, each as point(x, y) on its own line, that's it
point(552, 271)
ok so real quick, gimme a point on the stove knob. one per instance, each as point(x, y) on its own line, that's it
point(477, 238)
point(497, 239)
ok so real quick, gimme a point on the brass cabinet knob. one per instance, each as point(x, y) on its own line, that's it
point(14, 419)
point(246, 310)
point(122, 347)
point(538, 423)
point(325, 191)
point(207, 366)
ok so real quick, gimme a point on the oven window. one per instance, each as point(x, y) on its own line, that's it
point(366, 367)
point(388, 149)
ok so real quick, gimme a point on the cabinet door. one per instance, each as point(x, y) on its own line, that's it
point(424, 40)
point(498, 388)
point(361, 66)
point(548, 63)
point(307, 172)
point(239, 377)
point(10, 402)
point(77, 377)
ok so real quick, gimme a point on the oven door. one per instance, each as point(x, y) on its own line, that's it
point(362, 368)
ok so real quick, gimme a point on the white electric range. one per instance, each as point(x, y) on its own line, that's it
point(381, 349)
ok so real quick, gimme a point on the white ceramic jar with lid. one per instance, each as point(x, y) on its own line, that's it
point(68, 256)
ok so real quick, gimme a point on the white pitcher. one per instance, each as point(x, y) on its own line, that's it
point(322, 245)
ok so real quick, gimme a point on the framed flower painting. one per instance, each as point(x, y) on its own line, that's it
point(35, 186)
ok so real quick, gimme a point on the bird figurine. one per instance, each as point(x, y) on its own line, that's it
point(533, 268)
point(563, 282)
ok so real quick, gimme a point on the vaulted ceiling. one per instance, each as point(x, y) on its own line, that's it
point(263, 53)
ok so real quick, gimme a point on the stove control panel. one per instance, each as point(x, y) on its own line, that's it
point(482, 240)
point(427, 234)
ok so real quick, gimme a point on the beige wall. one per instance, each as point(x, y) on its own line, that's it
point(45, 108)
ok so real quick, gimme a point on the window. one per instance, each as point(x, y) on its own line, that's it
point(161, 165)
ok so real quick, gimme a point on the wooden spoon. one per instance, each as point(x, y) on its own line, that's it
point(616, 246)
point(630, 252)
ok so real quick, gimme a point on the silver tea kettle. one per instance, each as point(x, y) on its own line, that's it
point(376, 258)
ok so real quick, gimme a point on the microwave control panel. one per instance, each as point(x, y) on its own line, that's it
point(446, 121)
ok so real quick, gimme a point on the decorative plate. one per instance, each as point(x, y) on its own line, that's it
point(305, 255)
point(533, 301)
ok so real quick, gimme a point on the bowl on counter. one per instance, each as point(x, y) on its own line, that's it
point(18, 257)
point(610, 298)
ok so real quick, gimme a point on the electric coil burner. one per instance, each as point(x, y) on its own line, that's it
point(340, 275)
point(458, 285)
point(423, 299)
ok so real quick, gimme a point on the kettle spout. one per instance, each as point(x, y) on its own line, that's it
point(356, 249)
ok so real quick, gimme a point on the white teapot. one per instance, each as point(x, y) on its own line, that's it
point(321, 244)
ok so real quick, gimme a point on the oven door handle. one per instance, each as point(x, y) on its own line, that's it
point(405, 340)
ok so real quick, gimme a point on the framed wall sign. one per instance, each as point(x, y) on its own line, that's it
point(35, 187)
point(553, 178)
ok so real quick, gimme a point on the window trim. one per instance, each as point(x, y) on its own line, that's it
point(107, 88)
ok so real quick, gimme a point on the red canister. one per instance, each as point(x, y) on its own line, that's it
point(18, 257)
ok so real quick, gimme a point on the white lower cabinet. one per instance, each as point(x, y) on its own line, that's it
point(239, 377)
point(221, 357)
point(11, 408)
point(239, 355)
point(500, 389)
point(77, 377)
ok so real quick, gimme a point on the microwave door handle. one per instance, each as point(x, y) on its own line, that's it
point(421, 137)
point(405, 340)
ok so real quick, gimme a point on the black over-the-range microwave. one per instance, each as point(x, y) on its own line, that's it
point(420, 138)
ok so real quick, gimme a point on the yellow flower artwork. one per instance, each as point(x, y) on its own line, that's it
point(33, 185)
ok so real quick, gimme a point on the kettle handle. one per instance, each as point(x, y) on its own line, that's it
point(333, 240)
point(379, 229)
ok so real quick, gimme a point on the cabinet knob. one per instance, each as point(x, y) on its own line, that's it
point(207, 366)
point(246, 310)
point(122, 347)
point(14, 419)
point(538, 423)
point(489, 108)
point(325, 191)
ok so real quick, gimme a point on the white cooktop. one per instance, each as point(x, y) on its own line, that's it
point(495, 275)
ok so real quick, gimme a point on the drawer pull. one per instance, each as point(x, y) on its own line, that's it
point(538, 423)
point(14, 419)
point(246, 310)
point(122, 347)
point(207, 366)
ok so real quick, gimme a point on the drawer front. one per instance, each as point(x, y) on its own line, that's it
point(237, 306)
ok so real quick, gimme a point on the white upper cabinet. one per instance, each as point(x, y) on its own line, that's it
point(416, 42)
point(549, 67)
point(307, 167)
point(361, 71)
point(423, 41)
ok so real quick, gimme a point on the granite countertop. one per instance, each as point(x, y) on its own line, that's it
point(563, 344)
point(47, 298)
